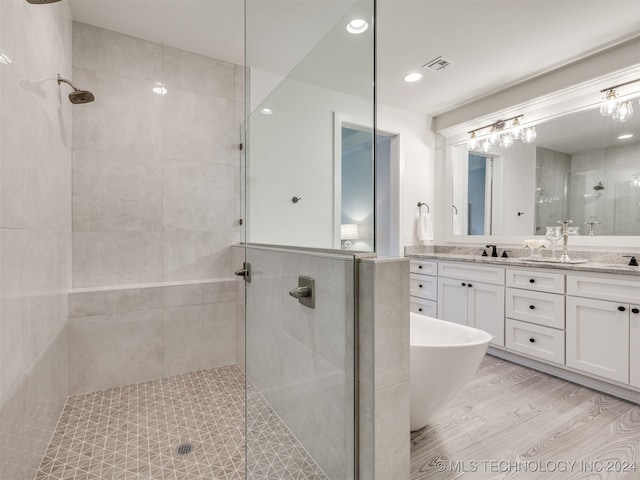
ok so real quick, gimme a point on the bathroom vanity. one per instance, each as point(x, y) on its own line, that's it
point(579, 322)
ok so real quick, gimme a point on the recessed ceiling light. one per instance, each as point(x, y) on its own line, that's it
point(266, 111)
point(412, 77)
point(625, 136)
point(357, 26)
point(159, 88)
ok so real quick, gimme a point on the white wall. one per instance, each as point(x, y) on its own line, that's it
point(416, 168)
point(292, 154)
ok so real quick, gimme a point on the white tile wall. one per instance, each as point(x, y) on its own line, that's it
point(35, 230)
point(155, 177)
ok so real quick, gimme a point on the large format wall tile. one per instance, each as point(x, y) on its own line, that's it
point(189, 71)
point(124, 118)
point(108, 52)
point(119, 349)
point(198, 196)
point(198, 337)
point(113, 192)
point(115, 258)
point(198, 127)
point(190, 255)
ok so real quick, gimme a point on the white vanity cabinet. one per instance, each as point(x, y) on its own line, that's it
point(602, 326)
point(634, 346)
point(423, 287)
point(463, 298)
point(535, 314)
point(598, 337)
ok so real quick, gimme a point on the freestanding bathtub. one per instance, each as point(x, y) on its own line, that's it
point(444, 357)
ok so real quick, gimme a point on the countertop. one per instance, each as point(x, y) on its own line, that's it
point(591, 267)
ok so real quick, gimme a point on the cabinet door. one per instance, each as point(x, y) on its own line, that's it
point(452, 300)
point(598, 337)
point(485, 310)
point(634, 345)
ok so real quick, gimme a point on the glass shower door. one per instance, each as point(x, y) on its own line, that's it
point(307, 76)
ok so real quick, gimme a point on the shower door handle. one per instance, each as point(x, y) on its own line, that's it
point(245, 272)
point(305, 292)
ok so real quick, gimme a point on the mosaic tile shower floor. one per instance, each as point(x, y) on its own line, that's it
point(133, 433)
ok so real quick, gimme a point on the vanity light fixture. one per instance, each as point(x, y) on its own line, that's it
point(266, 111)
point(625, 136)
point(412, 77)
point(529, 135)
point(357, 26)
point(611, 107)
point(503, 132)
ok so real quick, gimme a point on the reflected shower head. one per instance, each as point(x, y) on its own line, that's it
point(39, 2)
point(77, 96)
point(599, 186)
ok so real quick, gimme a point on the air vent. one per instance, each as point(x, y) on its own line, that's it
point(437, 64)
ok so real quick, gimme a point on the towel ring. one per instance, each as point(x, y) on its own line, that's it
point(455, 209)
point(420, 204)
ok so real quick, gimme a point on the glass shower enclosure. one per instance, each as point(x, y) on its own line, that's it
point(309, 84)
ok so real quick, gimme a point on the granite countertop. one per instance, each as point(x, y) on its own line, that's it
point(593, 267)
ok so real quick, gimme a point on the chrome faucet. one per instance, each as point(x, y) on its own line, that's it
point(565, 237)
point(592, 225)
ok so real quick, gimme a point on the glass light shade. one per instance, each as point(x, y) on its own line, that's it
point(349, 231)
point(529, 135)
point(473, 143)
point(516, 129)
point(609, 103)
point(485, 145)
point(494, 136)
point(505, 140)
point(624, 110)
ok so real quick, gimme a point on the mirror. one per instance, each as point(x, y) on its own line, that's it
point(583, 166)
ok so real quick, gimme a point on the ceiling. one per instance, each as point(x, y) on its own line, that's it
point(492, 43)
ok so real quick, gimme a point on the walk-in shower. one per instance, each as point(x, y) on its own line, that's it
point(77, 96)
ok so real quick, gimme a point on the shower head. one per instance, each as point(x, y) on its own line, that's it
point(599, 186)
point(41, 2)
point(77, 96)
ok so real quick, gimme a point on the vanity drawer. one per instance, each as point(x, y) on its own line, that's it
point(464, 271)
point(423, 286)
point(536, 307)
point(536, 341)
point(424, 267)
point(423, 307)
point(627, 291)
point(535, 280)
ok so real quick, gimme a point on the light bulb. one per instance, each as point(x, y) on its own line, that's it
point(609, 103)
point(529, 135)
point(472, 144)
point(357, 26)
point(505, 140)
point(485, 145)
point(412, 77)
point(623, 111)
point(516, 129)
point(494, 136)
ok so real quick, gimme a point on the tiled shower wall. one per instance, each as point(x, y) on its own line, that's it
point(155, 209)
point(35, 229)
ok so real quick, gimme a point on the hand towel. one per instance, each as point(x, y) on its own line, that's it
point(456, 224)
point(424, 227)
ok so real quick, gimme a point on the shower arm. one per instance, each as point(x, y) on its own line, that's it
point(64, 80)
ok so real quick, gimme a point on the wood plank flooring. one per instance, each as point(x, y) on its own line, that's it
point(512, 422)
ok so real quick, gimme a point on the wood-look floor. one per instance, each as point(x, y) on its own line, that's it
point(512, 422)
